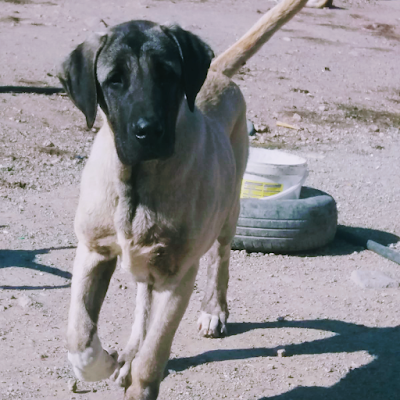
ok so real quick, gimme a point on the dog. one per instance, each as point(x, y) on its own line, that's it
point(161, 187)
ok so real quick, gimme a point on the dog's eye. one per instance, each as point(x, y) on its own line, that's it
point(166, 70)
point(115, 79)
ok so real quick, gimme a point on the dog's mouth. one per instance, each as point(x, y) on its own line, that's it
point(131, 155)
point(155, 148)
point(161, 154)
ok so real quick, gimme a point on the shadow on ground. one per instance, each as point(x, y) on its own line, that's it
point(27, 259)
point(360, 236)
point(349, 240)
point(377, 380)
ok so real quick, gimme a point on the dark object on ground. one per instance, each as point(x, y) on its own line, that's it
point(369, 244)
point(31, 89)
point(250, 128)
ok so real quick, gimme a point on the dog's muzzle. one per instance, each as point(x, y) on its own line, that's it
point(148, 132)
point(146, 140)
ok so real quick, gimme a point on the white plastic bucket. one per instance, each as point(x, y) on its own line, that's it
point(273, 174)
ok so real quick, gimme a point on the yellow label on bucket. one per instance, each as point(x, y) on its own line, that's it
point(258, 190)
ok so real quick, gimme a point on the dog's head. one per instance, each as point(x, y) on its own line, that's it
point(138, 72)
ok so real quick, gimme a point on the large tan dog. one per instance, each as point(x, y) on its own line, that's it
point(161, 186)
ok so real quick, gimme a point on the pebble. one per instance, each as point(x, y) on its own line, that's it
point(281, 353)
point(262, 128)
point(171, 372)
point(25, 301)
point(250, 128)
point(48, 143)
point(296, 117)
point(72, 385)
point(374, 128)
point(373, 280)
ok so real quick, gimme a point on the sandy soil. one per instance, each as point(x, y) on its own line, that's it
point(334, 73)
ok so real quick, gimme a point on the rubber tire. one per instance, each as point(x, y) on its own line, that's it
point(286, 226)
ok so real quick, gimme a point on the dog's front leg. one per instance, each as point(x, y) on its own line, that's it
point(91, 276)
point(168, 306)
point(214, 307)
point(138, 334)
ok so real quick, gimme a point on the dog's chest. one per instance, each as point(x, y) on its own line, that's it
point(154, 248)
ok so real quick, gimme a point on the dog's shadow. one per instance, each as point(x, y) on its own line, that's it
point(27, 259)
point(377, 380)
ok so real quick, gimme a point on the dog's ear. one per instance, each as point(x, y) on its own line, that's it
point(196, 59)
point(78, 76)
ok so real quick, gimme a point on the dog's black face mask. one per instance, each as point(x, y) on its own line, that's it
point(138, 73)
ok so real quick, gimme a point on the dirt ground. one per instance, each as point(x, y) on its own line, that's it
point(334, 74)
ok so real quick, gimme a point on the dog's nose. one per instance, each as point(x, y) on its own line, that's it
point(147, 130)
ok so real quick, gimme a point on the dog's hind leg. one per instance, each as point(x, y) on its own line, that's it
point(138, 334)
point(168, 306)
point(214, 308)
point(91, 276)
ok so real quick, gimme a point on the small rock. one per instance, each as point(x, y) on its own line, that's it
point(280, 319)
point(48, 143)
point(374, 128)
point(373, 280)
point(287, 39)
point(72, 385)
point(25, 301)
point(296, 117)
point(323, 108)
point(281, 353)
point(250, 128)
point(171, 372)
point(262, 128)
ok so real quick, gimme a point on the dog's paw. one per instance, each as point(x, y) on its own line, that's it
point(212, 326)
point(91, 366)
point(121, 374)
point(143, 390)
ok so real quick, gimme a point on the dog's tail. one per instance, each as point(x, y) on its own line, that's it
point(230, 61)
